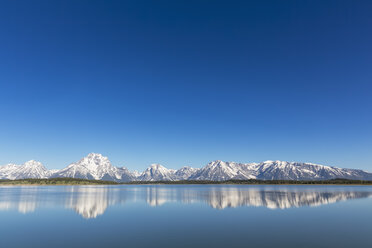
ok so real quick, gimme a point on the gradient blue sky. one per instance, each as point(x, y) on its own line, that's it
point(186, 82)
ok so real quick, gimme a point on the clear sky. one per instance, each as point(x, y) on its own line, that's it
point(186, 82)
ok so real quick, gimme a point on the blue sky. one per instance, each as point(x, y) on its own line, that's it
point(186, 82)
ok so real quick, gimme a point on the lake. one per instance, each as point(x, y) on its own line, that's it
point(185, 216)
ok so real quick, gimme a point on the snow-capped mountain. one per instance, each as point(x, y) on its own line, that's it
point(184, 173)
point(281, 170)
point(30, 169)
point(6, 171)
point(157, 172)
point(275, 170)
point(95, 167)
point(220, 171)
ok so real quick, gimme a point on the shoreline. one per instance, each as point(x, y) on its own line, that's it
point(183, 184)
point(155, 184)
point(85, 182)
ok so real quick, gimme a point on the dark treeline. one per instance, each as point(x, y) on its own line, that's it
point(56, 181)
point(254, 181)
point(76, 181)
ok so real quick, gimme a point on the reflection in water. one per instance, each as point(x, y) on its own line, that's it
point(278, 199)
point(25, 201)
point(89, 202)
point(155, 197)
point(92, 201)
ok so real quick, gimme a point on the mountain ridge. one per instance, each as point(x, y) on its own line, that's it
point(95, 166)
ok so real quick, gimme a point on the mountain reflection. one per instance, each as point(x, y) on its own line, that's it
point(89, 202)
point(278, 199)
point(92, 201)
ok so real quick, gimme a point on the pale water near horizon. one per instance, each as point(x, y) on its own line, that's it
point(185, 216)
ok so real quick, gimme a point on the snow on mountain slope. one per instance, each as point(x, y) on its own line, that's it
point(136, 173)
point(7, 170)
point(281, 170)
point(184, 173)
point(30, 169)
point(157, 172)
point(220, 171)
point(275, 170)
point(96, 167)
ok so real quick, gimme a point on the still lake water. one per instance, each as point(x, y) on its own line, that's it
point(185, 216)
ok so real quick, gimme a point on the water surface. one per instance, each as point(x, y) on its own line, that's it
point(185, 216)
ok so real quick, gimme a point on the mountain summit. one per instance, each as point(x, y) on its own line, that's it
point(157, 172)
point(220, 171)
point(95, 167)
point(30, 169)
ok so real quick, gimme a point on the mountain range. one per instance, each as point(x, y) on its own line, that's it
point(98, 167)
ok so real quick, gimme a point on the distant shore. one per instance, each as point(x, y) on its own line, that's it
point(75, 181)
point(55, 181)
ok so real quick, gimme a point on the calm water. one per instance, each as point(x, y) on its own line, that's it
point(186, 216)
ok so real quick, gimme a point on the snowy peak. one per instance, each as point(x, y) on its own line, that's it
point(93, 155)
point(157, 172)
point(33, 163)
point(95, 161)
point(220, 171)
point(136, 173)
point(157, 167)
point(30, 169)
point(185, 173)
point(96, 157)
point(34, 169)
point(97, 167)
point(8, 171)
